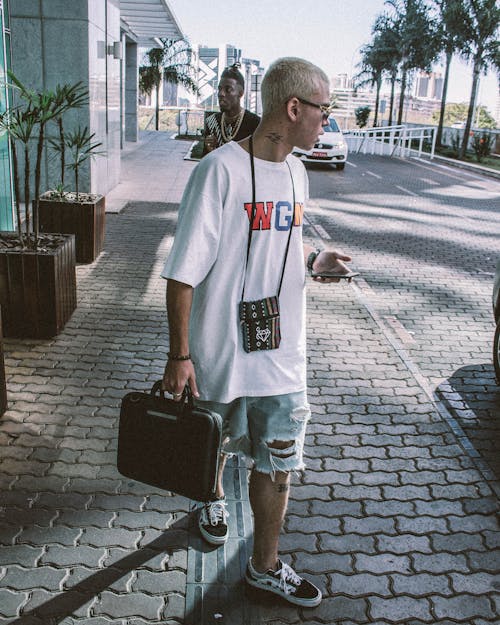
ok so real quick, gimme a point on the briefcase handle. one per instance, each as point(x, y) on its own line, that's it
point(186, 399)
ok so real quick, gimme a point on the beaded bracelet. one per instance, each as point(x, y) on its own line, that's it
point(172, 357)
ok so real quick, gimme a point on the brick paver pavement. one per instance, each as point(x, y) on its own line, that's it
point(392, 519)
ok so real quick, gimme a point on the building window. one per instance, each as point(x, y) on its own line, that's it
point(6, 208)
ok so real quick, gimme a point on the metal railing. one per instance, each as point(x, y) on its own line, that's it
point(392, 140)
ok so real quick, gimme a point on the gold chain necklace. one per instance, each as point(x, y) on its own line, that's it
point(230, 133)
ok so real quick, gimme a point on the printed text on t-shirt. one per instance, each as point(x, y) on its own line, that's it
point(283, 215)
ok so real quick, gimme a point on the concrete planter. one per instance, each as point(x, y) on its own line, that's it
point(85, 219)
point(37, 288)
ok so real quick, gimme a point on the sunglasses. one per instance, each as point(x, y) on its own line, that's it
point(325, 109)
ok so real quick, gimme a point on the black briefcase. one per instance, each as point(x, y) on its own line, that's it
point(168, 444)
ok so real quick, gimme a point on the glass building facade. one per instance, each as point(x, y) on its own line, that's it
point(6, 208)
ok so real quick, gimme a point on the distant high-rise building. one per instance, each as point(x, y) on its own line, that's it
point(429, 85)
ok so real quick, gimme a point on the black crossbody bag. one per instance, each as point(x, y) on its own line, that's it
point(260, 319)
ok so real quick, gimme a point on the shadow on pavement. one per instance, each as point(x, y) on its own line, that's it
point(472, 396)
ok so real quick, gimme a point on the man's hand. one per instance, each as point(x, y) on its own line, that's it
point(330, 261)
point(177, 374)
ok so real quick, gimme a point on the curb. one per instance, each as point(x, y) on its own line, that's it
point(478, 169)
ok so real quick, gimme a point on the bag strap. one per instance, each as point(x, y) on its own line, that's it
point(252, 217)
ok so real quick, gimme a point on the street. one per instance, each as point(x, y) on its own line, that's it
point(425, 240)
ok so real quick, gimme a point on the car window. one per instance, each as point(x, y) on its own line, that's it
point(333, 126)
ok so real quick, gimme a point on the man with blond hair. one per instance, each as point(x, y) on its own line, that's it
point(236, 308)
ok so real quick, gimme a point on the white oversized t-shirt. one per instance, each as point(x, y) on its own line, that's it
point(209, 253)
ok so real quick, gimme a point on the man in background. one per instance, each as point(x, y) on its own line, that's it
point(232, 123)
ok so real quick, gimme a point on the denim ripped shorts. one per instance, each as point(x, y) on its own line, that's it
point(250, 424)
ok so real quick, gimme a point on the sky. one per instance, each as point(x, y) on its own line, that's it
point(327, 32)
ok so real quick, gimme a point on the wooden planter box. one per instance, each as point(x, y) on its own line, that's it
point(86, 220)
point(37, 289)
point(3, 385)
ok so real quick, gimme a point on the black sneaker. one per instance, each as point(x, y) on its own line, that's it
point(286, 583)
point(212, 521)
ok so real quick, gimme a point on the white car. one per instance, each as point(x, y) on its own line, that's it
point(331, 147)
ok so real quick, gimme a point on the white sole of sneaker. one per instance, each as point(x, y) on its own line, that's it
point(212, 540)
point(304, 603)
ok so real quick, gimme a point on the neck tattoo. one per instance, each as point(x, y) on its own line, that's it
point(274, 137)
point(230, 125)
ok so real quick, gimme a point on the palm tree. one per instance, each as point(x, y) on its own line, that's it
point(172, 63)
point(372, 66)
point(480, 29)
point(387, 46)
point(418, 40)
point(452, 18)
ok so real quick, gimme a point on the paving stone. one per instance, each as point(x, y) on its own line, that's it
point(403, 544)
point(439, 508)
point(72, 556)
point(357, 493)
point(295, 541)
point(48, 535)
point(317, 563)
point(439, 563)
point(49, 606)
point(369, 525)
point(27, 579)
point(487, 561)
point(458, 542)
point(421, 585)
point(159, 583)
point(399, 609)
point(382, 563)
point(474, 583)
point(362, 585)
point(115, 537)
point(10, 602)
point(312, 525)
point(342, 608)
point(347, 543)
point(23, 555)
point(421, 525)
point(473, 523)
point(462, 607)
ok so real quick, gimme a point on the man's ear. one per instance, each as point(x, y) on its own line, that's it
point(292, 108)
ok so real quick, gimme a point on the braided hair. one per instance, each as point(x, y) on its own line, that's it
point(234, 73)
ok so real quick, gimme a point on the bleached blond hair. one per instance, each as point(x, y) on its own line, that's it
point(288, 77)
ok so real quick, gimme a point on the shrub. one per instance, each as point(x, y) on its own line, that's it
point(482, 144)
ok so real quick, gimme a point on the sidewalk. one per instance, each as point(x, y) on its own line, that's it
point(392, 518)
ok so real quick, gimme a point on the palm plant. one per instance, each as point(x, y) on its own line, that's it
point(386, 42)
point(82, 147)
point(418, 40)
point(172, 63)
point(21, 124)
point(76, 96)
point(451, 16)
point(480, 31)
point(372, 66)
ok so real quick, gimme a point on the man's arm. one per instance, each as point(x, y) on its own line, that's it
point(179, 371)
point(326, 260)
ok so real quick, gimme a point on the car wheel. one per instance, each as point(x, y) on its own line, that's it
point(340, 166)
point(496, 352)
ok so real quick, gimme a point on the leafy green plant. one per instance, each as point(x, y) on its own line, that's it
point(362, 114)
point(76, 96)
point(482, 144)
point(82, 147)
point(22, 123)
